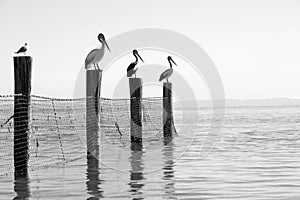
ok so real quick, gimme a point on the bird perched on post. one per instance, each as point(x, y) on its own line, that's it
point(166, 74)
point(23, 49)
point(96, 55)
point(131, 68)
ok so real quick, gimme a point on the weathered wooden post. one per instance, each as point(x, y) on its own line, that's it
point(136, 97)
point(136, 174)
point(93, 181)
point(21, 187)
point(167, 109)
point(93, 89)
point(22, 73)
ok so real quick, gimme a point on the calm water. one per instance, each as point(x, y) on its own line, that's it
point(257, 157)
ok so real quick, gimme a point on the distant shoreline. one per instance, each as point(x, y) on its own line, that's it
point(236, 103)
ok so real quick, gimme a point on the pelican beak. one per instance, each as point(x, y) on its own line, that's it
point(106, 44)
point(140, 57)
point(174, 62)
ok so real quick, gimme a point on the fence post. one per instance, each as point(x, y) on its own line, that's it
point(93, 89)
point(22, 75)
point(167, 109)
point(136, 97)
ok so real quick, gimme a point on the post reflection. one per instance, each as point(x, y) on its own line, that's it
point(21, 187)
point(136, 172)
point(93, 181)
point(168, 171)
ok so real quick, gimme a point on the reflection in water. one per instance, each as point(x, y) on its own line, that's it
point(168, 171)
point(21, 187)
point(136, 173)
point(93, 182)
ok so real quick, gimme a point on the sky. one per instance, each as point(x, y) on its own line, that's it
point(254, 44)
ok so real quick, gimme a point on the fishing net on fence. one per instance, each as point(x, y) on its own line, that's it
point(57, 128)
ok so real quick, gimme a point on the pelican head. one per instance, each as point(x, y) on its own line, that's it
point(171, 60)
point(136, 53)
point(101, 38)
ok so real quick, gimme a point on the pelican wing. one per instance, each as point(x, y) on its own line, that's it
point(166, 74)
point(131, 66)
point(90, 57)
point(130, 69)
point(131, 72)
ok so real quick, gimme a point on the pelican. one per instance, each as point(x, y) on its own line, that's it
point(96, 55)
point(166, 74)
point(131, 68)
point(23, 49)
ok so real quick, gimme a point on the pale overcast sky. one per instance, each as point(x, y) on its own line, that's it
point(254, 44)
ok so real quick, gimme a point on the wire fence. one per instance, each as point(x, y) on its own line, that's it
point(57, 127)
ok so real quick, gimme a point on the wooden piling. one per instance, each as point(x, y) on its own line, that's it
point(21, 187)
point(136, 97)
point(93, 89)
point(93, 181)
point(136, 174)
point(22, 75)
point(167, 110)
